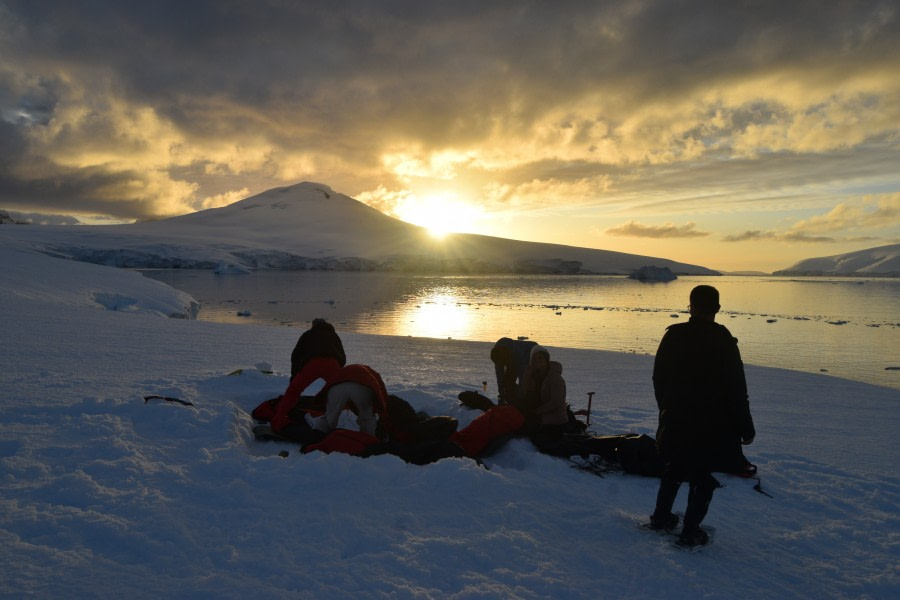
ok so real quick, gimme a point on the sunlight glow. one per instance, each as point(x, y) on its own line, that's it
point(438, 316)
point(440, 213)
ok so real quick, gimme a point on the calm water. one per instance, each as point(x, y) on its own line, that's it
point(847, 327)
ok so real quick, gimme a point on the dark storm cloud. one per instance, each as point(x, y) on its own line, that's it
point(271, 54)
point(81, 191)
point(278, 90)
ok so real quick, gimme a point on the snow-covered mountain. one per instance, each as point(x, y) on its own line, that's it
point(883, 261)
point(310, 226)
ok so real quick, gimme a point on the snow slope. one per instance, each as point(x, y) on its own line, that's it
point(105, 496)
point(309, 226)
point(883, 261)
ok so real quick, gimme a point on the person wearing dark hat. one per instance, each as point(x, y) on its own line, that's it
point(544, 402)
point(701, 392)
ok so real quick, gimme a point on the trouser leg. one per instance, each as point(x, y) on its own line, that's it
point(360, 396)
point(699, 497)
point(365, 416)
point(665, 497)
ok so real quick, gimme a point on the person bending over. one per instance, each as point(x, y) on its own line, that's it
point(319, 354)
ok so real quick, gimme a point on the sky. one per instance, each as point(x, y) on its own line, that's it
point(737, 136)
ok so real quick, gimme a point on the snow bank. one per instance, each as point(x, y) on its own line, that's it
point(35, 277)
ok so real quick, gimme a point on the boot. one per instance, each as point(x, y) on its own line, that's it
point(664, 521)
point(691, 537)
point(662, 517)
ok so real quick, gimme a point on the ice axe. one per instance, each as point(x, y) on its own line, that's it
point(587, 412)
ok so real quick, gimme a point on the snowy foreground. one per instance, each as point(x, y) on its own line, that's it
point(106, 496)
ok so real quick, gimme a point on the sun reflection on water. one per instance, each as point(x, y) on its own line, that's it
point(437, 315)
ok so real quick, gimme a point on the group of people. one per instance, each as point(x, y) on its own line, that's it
point(698, 382)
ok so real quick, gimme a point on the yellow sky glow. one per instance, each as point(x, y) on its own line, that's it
point(440, 213)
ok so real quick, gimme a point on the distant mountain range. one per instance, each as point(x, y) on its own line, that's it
point(308, 226)
point(883, 261)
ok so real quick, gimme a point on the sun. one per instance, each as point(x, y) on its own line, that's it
point(439, 213)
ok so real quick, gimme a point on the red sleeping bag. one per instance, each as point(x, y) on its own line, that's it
point(498, 421)
point(346, 441)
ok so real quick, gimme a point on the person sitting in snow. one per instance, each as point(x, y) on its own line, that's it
point(543, 401)
point(701, 392)
point(319, 354)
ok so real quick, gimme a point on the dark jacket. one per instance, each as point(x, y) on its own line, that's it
point(510, 358)
point(319, 340)
point(698, 379)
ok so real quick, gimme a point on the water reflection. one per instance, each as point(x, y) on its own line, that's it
point(437, 315)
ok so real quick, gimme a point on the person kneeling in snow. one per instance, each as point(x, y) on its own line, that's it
point(360, 389)
point(319, 354)
point(348, 394)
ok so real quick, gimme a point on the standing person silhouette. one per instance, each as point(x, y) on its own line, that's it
point(701, 392)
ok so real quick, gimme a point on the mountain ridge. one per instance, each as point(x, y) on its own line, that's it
point(309, 226)
point(881, 261)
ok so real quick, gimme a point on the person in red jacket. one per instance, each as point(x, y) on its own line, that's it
point(319, 354)
point(701, 392)
point(360, 389)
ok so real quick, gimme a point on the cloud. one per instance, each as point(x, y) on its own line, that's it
point(868, 213)
point(668, 230)
point(869, 218)
point(794, 236)
point(219, 200)
point(384, 200)
point(751, 236)
point(114, 108)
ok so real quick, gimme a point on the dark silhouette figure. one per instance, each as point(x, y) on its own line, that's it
point(701, 392)
point(511, 358)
